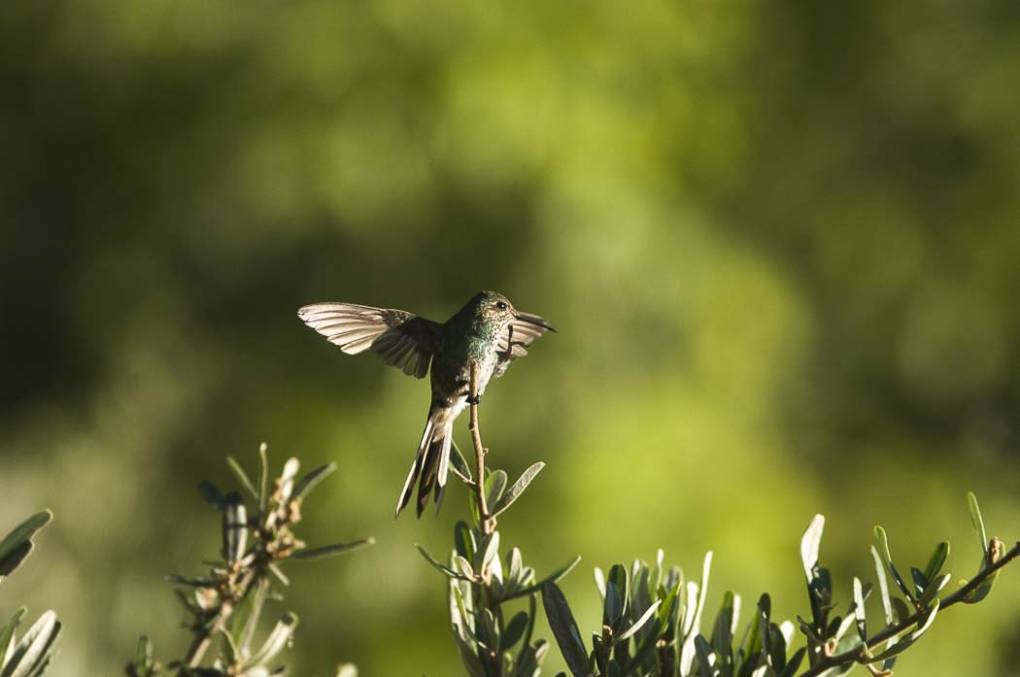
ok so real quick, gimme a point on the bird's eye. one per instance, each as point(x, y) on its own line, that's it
point(501, 305)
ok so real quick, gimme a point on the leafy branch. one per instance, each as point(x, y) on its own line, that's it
point(227, 604)
point(493, 640)
point(651, 618)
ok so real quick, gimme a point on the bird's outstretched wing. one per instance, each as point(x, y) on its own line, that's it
point(402, 339)
point(521, 334)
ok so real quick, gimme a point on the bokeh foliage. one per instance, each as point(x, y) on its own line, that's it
point(778, 239)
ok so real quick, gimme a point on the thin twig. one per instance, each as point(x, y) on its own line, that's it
point(881, 636)
point(488, 523)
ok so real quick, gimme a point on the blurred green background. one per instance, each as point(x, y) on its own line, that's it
point(780, 241)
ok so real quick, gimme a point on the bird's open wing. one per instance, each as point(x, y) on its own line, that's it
point(521, 333)
point(402, 339)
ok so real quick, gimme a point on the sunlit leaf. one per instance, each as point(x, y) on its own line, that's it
point(518, 487)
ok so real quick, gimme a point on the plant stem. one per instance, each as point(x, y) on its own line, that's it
point(892, 630)
point(488, 523)
point(203, 636)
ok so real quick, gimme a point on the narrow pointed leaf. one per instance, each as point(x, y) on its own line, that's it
point(977, 520)
point(702, 652)
point(242, 477)
point(639, 623)
point(514, 630)
point(277, 640)
point(883, 542)
point(554, 577)
point(332, 550)
point(937, 560)
point(459, 464)
point(311, 480)
point(33, 650)
point(495, 484)
point(263, 477)
point(235, 527)
point(883, 586)
point(809, 545)
point(518, 487)
point(8, 632)
point(859, 611)
point(17, 545)
point(440, 566)
point(564, 627)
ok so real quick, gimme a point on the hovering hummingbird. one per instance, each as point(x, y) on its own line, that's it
point(487, 332)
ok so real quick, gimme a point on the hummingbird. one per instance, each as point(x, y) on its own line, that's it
point(487, 333)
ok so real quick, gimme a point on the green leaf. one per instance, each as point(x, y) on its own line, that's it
point(530, 659)
point(905, 642)
point(491, 551)
point(920, 582)
point(883, 541)
point(934, 587)
point(794, 663)
point(564, 628)
point(809, 545)
point(901, 609)
point(235, 527)
point(32, 653)
point(883, 586)
point(459, 464)
point(14, 558)
point(17, 545)
point(600, 582)
point(275, 569)
point(463, 566)
point(977, 520)
point(242, 477)
point(309, 481)
point(8, 632)
point(250, 612)
point(515, 566)
point(639, 623)
point(495, 483)
point(332, 550)
point(486, 630)
point(144, 660)
point(859, 610)
point(706, 569)
point(702, 652)
point(464, 540)
point(193, 581)
point(277, 640)
point(469, 658)
point(263, 477)
point(554, 577)
point(938, 558)
point(518, 487)
point(514, 630)
point(722, 632)
point(616, 597)
point(440, 566)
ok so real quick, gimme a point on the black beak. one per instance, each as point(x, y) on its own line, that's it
point(535, 320)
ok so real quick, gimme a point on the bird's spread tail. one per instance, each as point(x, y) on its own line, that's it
point(431, 462)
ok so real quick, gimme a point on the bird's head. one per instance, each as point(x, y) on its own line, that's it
point(493, 309)
point(495, 312)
